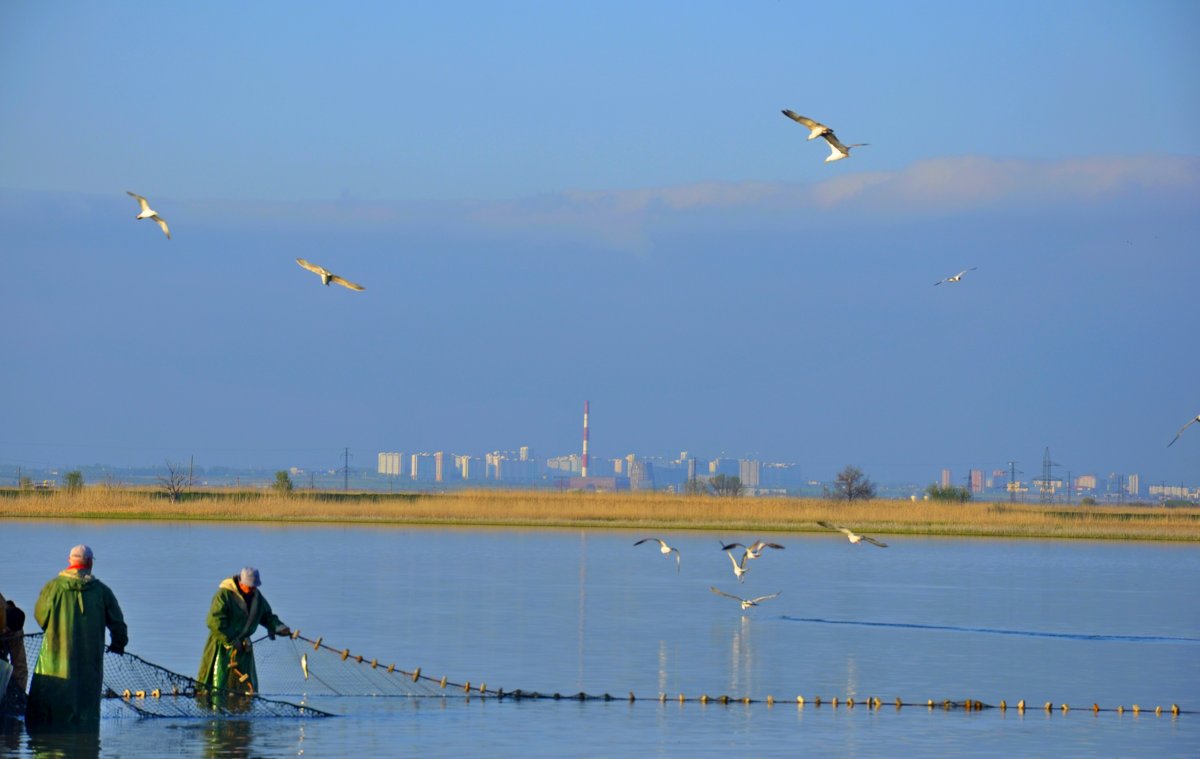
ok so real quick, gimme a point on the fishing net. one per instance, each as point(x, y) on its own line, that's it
point(301, 665)
point(133, 685)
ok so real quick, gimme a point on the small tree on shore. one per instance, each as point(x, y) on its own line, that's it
point(725, 485)
point(948, 493)
point(73, 481)
point(283, 483)
point(852, 485)
point(174, 482)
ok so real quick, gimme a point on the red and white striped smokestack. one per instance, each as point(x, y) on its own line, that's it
point(585, 438)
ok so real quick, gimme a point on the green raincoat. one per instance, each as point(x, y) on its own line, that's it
point(228, 659)
point(73, 610)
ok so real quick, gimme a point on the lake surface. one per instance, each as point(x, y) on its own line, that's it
point(565, 611)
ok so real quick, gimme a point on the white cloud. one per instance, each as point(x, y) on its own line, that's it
point(937, 187)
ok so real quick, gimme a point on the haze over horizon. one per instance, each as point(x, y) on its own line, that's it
point(602, 201)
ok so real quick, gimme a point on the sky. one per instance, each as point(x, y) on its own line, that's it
point(557, 202)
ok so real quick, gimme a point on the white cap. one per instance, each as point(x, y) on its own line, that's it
point(80, 553)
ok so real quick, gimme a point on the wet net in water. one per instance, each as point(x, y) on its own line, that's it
point(135, 686)
point(302, 667)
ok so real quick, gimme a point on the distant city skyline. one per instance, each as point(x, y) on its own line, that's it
point(522, 466)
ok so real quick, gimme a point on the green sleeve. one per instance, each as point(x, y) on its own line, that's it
point(45, 603)
point(267, 618)
point(114, 619)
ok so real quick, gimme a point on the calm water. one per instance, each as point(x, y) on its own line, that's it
point(564, 611)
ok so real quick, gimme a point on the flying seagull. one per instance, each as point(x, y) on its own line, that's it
point(837, 150)
point(149, 213)
point(745, 602)
point(956, 278)
point(816, 128)
point(1181, 429)
point(663, 548)
point(752, 551)
point(327, 276)
point(851, 535)
point(739, 568)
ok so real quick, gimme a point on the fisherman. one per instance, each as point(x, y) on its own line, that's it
point(12, 659)
point(73, 609)
point(238, 608)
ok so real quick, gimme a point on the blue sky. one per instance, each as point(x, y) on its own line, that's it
point(552, 202)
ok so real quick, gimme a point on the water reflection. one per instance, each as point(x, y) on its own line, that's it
point(229, 739)
point(663, 666)
point(582, 598)
point(10, 735)
point(851, 686)
point(68, 744)
point(741, 658)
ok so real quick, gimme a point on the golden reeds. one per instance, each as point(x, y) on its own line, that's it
point(633, 510)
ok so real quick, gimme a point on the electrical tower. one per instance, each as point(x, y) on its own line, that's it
point(1047, 490)
point(345, 469)
point(1012, 481)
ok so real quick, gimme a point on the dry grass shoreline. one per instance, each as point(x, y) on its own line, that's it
point(653, 511)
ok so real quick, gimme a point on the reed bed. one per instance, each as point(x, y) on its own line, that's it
point(629, 510)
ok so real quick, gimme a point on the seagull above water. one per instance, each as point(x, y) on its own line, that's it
point(663, 548)
point(852, 536)
point(739, 568)
point(956, 278)
point(752, 551)
point(1181, 429)
point(745, 602)
point(149, 213)
point(328, 276)
point(837, 150)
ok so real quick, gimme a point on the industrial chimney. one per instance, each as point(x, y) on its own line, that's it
point(584, 472)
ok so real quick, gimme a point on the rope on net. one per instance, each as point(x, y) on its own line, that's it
point(150, 690)
point(327, 670)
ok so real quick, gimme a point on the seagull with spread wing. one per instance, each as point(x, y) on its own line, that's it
point(852, 536)
point(816, 128)
point(837, 150)
point(328, 276)
point(149, 213)
point(752, 551)
point(663, 548)
point(739, 567)
point(1181, 429)
point(956, 278)
point(745, 602)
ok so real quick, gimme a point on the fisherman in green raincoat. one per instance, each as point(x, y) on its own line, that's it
point(238, 608)
point(73, 610)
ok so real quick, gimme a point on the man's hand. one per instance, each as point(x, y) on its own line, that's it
point(285, 630)
point(116, 649)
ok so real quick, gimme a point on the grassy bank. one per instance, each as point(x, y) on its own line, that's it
point(634, 510)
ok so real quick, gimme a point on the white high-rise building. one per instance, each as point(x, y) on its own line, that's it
point(390, 464)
